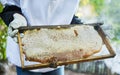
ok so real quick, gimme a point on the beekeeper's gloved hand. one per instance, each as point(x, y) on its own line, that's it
point(17, 22)
point(76, 20)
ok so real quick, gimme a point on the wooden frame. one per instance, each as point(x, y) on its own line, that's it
point(35, 66)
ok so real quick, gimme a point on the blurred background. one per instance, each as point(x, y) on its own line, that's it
point(89, 11)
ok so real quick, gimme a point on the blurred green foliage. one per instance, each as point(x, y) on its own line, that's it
point(3, 34)
point(108, 11)
point(1, 8)
point(98, 5)
point(113, 16)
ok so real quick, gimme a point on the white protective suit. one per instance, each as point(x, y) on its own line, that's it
point(40, 12)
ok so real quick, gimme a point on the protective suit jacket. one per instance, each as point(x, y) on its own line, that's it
point(36, 12)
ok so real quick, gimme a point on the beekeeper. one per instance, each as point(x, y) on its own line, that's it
point(17, 13)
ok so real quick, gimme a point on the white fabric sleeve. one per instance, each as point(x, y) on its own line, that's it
point(10, 2)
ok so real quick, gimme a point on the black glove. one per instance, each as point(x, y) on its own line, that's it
point(76, 20)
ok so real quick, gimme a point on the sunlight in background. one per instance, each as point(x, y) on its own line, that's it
point(106, 11)
point(89, 9)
